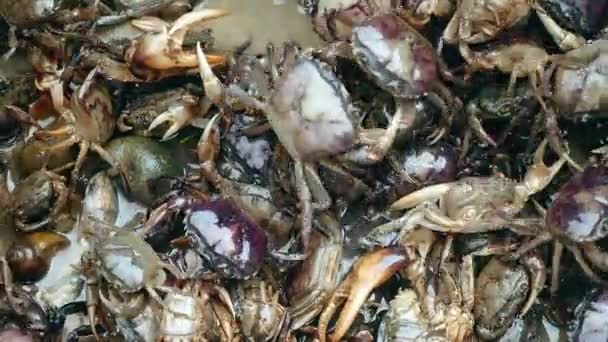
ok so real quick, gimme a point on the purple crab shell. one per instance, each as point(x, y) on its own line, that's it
point(580, 211)
point(230, 241)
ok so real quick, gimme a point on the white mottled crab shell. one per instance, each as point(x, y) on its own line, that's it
point(311, 111)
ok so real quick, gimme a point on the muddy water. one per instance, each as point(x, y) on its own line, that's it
point(262, 21)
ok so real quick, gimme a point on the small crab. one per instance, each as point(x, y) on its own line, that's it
point(479, 21)
point(505, 290)
point(318, 276)
point(126, 264)
point(260, 314)
point(418, 13)
point(89, 122)
point(196, 310)
point(474, 204)
point(176, 107)
point(406, 319)
point(39, 199)
point(576, 219)
point(402, 62)
point(517, 57)
point(451, 319)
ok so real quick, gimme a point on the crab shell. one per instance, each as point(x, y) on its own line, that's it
point(230, 240)
point(580, 211)
point(312, 111)
point(395, 55)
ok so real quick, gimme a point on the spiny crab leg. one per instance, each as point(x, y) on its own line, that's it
point(163, 50)
point(369, 272)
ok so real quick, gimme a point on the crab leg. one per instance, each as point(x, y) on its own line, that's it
point(428, 193)
point(369, 272)
point(538, 275)
point(305, 198)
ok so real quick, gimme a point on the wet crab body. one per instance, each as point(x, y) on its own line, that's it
point(479, 21)
point(318, 276)
point(177, 107)
point(89, 123)
point(39, 199)
point(474, 204)
point(309, 110)
point(117, 267)
point(258, 310)
point(196, 311)
point(504, 291)
point(402, 62)
point(225, 236)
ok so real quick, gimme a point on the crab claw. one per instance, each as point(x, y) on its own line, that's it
point(208, 146)
point(538, 274)
point(539, 175)
point(161, 48)
point(370, 271)
point(178, 116)
point(214, 89)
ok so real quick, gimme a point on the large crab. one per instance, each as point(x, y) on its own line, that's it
point(309, 110)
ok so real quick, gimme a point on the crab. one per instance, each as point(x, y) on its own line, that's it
point(418, 13)
point(452, 319)
point(575, 220)
point(39, 199)
point(474, 204)
point(479, 21)
point(123, 264)
point(505, 290)
point(225, 236)
point(194, 309)
point(89, 123)
point(403, 63)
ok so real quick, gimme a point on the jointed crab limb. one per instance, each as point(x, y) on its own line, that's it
point(305, 198)
point(565, 40)
point(182, 115)
point(538, 275)
point(178, 117)
point(378, 143)
point(428, 193)
point(7, 281)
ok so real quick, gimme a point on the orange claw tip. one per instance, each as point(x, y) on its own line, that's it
point(380, 265)
point(369, 271)
point(215, 59)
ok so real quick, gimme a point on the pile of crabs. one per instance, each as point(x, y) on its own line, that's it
point(435, 170)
